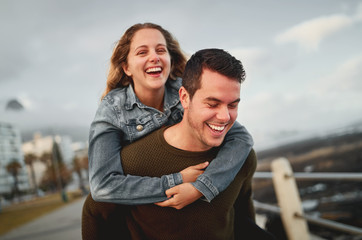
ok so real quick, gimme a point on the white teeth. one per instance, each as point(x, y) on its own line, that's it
point(154, 69)
point(217, 128)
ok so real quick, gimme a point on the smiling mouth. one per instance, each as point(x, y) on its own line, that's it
point(216, 128)
point(154, 70)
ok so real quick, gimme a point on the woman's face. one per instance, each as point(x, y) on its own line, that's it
point(148, 61)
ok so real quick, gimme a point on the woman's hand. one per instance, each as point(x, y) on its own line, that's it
point(180, 196)
point(184, 194)
point(190, 174)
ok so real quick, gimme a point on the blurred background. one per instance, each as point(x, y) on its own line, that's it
point(303, 90)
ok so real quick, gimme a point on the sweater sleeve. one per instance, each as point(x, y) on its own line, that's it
point(245, 226)
point(244, 206)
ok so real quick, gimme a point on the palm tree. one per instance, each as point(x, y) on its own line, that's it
point(13, 168)
point(46, 158)
point(29, 159)
point(57, 175)
point(48, 178)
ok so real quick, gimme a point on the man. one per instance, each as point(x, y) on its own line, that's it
point(210, 95)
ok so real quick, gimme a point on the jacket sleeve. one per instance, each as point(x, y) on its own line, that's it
point(223, 169)
point(107, 180)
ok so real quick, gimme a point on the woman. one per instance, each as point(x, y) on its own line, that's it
point(142, 96)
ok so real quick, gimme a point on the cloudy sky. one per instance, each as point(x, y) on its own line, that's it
point(303, 59)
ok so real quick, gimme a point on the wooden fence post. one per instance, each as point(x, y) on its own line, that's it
point(289, 201)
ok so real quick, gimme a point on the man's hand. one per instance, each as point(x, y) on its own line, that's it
point(190, 174)
point(180, 196)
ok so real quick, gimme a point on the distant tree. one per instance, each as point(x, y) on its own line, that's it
point(77, 168)
point(48, 180)
point(56, 175)
point(29, 160)
point(46, 158)
point(84, 165)
point(14, 168)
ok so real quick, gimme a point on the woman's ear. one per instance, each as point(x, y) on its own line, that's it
point(126, 71)
point(184, 97)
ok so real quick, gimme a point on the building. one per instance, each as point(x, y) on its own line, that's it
point(10, 150)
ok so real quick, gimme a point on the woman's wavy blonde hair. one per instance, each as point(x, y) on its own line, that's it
point(118, 78)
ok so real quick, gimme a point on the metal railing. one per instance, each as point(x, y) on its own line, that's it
point(315, 176)
point(298, 214)
point(312, 219)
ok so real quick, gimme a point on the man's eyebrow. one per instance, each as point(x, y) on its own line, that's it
point(236, 101)
point(212, 99)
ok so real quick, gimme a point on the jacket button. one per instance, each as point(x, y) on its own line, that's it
point(139, 128)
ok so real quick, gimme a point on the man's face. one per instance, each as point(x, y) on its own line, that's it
point(213, 110)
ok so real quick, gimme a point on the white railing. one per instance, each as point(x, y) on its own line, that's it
point(290, 207)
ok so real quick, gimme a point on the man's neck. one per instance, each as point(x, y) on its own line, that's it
point(178, 136)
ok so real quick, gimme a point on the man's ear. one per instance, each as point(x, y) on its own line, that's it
point(126, 71)
point(184, 97)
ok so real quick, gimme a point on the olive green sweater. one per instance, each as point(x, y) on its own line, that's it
point(153, 156)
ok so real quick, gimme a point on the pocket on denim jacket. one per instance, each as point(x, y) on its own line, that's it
point(139, 127)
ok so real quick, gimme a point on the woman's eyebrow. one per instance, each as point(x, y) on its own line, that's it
point(142, 46)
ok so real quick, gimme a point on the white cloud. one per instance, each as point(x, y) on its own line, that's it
point(329, 99)
point(250, 57)
point(271, 116)
point(253, 59)
point(309, 34)
point(358, 16)
point(345, 79)
point(333, 101)
point(27, 102)
point(70, 106)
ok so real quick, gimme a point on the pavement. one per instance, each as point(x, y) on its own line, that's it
point(63, 223)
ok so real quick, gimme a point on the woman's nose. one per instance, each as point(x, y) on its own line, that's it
point(154, 58)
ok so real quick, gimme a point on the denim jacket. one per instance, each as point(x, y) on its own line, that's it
point(122, 119)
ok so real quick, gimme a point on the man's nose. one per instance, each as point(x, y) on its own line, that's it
point(223, 114)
